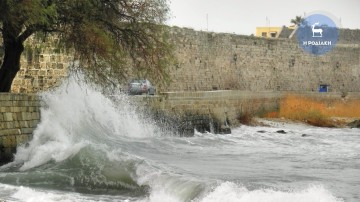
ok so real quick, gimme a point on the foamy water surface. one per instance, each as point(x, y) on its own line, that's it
point(92, 148)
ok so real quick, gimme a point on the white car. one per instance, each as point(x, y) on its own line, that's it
point(141, 86)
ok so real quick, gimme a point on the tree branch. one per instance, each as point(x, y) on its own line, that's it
point(31, 30)
point(28, 32)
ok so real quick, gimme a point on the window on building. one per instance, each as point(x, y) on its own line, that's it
point(263, 34)
point(273, 34)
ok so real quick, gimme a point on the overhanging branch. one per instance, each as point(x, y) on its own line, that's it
point(31, 30)
point(28, 32)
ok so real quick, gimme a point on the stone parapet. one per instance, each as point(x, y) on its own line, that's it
point(19, 116)
point(212, 111)
point(181, 112)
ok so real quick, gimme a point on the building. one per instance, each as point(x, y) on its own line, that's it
point(271, 32)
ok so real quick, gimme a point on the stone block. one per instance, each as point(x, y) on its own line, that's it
point(16, 108)
point(6, 103)
point(42, 65)
point(8, 116)
point(4, 109)
point(25, 116)
point(36, 104)
point(18, 116)
point(16, 124)
point(22, 139)
point(25, 124)
point(33, 123)
point(9, 132)
point(35, 116)
point(24, 103)
point(2, 125)
point(5, 97)
point(10, 125)
point(9, 141)
point(27, 130)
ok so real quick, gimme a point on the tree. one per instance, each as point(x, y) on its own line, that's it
point(297, 21)
point(103, 34)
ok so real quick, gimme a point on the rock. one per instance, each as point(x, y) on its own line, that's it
point(281, 132)
point(354, 124)
point(225, 130)
point(305, 135)
point(261, 131)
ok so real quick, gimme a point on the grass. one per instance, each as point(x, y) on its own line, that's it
point(315, 112)
point(245, 118)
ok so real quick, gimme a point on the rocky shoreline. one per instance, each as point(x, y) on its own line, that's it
point(334, 122)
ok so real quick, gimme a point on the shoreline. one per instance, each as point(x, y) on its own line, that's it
point(333, 122)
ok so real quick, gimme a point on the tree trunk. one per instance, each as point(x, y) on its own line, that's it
point(11, 63)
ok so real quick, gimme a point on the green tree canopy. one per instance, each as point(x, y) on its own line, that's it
point(297, 20)
point(105, 35)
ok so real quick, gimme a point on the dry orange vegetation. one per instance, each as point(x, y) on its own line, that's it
point(315, 112)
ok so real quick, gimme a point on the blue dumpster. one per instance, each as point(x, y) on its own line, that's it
point(323, 88)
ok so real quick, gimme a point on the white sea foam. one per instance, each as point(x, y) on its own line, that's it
point(230, 192)
point(31, 195)
point(75, 115)
point(11, 193)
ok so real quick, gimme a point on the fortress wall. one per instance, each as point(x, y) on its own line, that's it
point(218, 61)
point(19, 116)
point(210, 61)
point(43, 66)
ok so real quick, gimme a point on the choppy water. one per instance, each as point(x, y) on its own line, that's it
point(89, 148)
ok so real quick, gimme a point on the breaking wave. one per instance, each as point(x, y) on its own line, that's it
point(88, 147)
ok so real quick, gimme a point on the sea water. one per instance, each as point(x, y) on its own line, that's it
point(92, 147)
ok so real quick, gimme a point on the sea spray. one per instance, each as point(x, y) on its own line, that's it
point(74, 115)
point(93, 147)
point(232, 192)
point(78, 146)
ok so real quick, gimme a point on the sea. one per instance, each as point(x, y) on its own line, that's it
point(93, 147)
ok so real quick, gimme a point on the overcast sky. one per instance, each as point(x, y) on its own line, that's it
point(242, 17)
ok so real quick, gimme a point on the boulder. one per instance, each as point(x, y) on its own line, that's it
point(281, 132)
point(354, 124)
point(225, 130)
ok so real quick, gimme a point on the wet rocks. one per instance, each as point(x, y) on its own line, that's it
point(225, 130)
point(354, 124)
point(281, 132)
point(185, 124)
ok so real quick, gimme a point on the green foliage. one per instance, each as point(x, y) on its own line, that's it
point(110, 38)
point(297, 20)
point(19, 15)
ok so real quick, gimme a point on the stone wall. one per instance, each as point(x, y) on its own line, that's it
point(217, 111)
point(19, 115)
point(43, 65)
point(214, 111)
point(218, 61)
point(209, 61)
point(349, 36)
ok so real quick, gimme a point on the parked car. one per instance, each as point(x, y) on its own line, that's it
point(141, 86)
